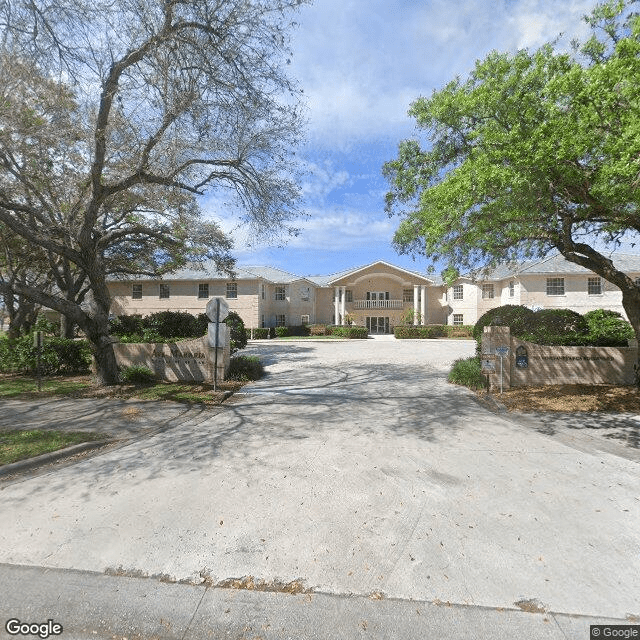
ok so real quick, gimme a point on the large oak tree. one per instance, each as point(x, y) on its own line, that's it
point(120, 115)
point(534, 152)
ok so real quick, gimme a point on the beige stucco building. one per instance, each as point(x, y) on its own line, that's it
point(378, 295)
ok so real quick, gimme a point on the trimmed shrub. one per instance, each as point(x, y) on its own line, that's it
point(137, 375)
point(245, 368)
point(126, 326)
point(555, 327)
point(351, 332)
point(173, 324)
point(282, 332)
point(58, 356)
point(608, 328)
point(299, 330)
point(318, 330)
point(467, 372)
point(431, 331)
point(261, 333)
point(517, 317)
point(238, 334)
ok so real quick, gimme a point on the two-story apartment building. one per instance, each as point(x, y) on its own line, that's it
point(378, 295)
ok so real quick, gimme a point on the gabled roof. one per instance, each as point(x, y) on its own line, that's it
point(325, 281)
point(556, 263)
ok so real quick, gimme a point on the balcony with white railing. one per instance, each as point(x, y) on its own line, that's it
point(378, 304)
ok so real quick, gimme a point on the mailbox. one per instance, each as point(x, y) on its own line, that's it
point(522, 358)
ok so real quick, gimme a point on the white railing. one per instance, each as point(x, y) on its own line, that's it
point(378, 304)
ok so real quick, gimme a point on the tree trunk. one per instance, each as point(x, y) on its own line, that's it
point(105, 360)
point(631, 304)
point(67, 328)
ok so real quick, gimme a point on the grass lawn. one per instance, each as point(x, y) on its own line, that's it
point(18, 445)
point(311, 338)
point(26, 388)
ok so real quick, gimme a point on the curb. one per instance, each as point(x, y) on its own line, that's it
point(46, 458)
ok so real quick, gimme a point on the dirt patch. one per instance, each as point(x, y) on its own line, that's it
point(250, 583)
point(531, 606)
point(571, 397)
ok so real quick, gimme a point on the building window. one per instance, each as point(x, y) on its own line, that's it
point(203, 290)
point(164, 291)
point(304, 319)
point(262, 321)
point(281, 320)
point(458, 292)
point(458, 319)
point(407, 295)
point(263, 292)
point(281, 295)
point(487, 291)
point(594, 286)
point(637, 282)
point(512, 288)
point(555, 286)
point(232, 289)
point(348, 295)
point(136, 292)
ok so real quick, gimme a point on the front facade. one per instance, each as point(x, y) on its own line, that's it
point(379, 296)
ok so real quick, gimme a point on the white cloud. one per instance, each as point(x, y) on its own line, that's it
point(362, 63)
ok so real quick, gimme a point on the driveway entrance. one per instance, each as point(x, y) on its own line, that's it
point(353, 468)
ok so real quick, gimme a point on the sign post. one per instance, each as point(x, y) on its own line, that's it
point(217, 311)
point(502, 351)
point(37, 343)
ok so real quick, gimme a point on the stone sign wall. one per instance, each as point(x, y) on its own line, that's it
point(188, 360)
point(529, 364)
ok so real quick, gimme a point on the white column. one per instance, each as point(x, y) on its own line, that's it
point(336, 308)
point(423, 305)
point(343, 307)
point(415, 304)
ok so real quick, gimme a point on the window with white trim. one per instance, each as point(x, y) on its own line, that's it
point(232, 290)
point(594, 286)
point(512, 288)
point(281, 320)
point(262, 321)
point(281, 294)
point(407, 295)
point(304, 319)
point(487, 291)
point(458, 292)
point(458, 319)
point(203, 290)
point(136, 292)
point(348, 295)
point(263, 292)
point(555, 286)
point(164, 291)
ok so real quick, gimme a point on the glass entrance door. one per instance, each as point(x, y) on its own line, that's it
point(378, 325)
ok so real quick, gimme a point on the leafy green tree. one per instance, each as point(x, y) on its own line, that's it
point(534, 152)
point(161, 102)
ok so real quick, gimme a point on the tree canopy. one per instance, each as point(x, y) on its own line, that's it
point(115, 116)
point(533, 152)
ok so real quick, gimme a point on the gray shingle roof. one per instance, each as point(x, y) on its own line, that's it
point(556, 263)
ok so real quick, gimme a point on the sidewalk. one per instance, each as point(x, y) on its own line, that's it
point(94, 606)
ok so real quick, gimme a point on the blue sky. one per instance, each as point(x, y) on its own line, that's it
point(361, 63)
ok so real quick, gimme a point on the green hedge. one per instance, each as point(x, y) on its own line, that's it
point(261, 333)
point(59, 355)
point(563, 327)
point(159, 327)
point(433, 331)
point(351, 332)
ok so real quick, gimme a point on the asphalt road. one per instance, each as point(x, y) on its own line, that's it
point(352, 470)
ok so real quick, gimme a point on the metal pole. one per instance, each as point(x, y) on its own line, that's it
point(501, 358)
point(215, 357)
point(38, 365)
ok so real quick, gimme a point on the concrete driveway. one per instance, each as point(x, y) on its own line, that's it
point(353, 468)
